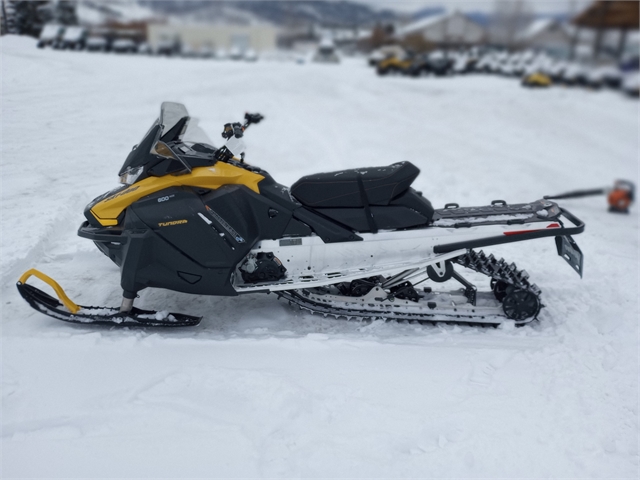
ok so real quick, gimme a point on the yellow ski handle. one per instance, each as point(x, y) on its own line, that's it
point(67, 302)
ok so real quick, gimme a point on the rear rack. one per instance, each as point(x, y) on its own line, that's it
point(520, 236)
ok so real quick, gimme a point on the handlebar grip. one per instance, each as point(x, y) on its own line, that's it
point(253, 118)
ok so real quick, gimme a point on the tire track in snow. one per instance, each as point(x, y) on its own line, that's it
point(51, 236)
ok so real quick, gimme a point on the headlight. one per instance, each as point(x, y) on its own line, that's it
point(130, 175)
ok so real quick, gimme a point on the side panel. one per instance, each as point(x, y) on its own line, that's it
point(150, 259)
point(180, 240)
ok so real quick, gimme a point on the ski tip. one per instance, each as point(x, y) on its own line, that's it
point(66, 301)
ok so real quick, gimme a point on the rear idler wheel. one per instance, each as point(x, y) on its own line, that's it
point(520, 304)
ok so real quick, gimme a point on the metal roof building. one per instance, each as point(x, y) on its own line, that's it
point(453, 28)
point(545, 33)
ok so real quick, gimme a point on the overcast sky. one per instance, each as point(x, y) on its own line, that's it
point(538, 6)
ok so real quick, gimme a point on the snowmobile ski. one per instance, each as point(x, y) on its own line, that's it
point(66, 310)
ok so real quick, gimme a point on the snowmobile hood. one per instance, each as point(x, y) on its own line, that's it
point(106, 209)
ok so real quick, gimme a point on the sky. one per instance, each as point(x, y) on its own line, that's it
point(538, 6)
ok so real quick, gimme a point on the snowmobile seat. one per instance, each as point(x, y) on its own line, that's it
point(355, 187)
point(409, 210)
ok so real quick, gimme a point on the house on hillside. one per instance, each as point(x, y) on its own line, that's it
point(452, 29)
point(546, 34)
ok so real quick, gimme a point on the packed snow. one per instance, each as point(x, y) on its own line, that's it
point(261, 389)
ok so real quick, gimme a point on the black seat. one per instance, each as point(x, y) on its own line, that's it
point(346, 187)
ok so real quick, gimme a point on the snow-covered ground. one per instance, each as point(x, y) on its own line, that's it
point(260, 389)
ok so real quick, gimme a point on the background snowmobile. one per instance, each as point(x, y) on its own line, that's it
point(356, 243)
point(536, 80)
point(394, 65)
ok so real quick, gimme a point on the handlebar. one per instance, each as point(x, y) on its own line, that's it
point(236, 129)
point(232, 132)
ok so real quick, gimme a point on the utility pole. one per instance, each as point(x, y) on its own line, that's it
point(597, 46)
point(575, 37)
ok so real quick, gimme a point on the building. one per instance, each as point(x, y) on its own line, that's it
point(546, 34)
point(603, 17)
point(447, 29)
point(259, 38)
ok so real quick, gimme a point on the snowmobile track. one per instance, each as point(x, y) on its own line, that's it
point(508, 275)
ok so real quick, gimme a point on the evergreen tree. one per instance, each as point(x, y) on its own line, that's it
point(26, 17)
point(8, 18)
point(46, 13)
point(65, 12)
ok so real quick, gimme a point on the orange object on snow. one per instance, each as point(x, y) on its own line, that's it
point(621, 197)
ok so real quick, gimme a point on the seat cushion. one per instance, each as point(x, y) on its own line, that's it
point(341, 189)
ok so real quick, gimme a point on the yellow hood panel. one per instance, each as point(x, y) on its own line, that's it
point(108, 210)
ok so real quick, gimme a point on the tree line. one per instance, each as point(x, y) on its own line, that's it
point(27, 17)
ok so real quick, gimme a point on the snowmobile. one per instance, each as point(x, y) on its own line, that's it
point(394, 65)
point(358, 243)
point(536, 79)
point(439, 63)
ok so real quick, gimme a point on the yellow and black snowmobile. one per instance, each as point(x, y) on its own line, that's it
point(193, 218)
point(394, 65)
point(536, 80)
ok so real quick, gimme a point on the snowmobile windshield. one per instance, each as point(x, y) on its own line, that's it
point(195, 134)
point(169, 127)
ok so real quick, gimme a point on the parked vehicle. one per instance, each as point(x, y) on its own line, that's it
point(464, 63)
point(326, 52)
point(98, 44)
point(144, 49)
point(168, 48)
point(631, 84)
point(387, 51)
point(394, 66)
point(221, 54)
point(124, 45)
point(235, 53)
point(74, 38)
point(607, 76)
point(536, 80)
point(50, 34)
point(206, 51)
point(187, 51)
point(574, 75)
point(250, 55)
point(440, 63)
